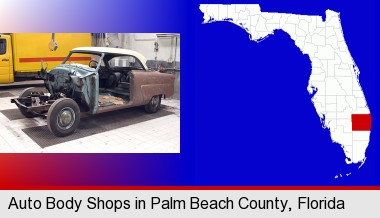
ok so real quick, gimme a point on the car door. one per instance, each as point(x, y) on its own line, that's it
point(5, 60)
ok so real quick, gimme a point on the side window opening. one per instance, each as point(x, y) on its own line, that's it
point(3, 46)
point(125, 61)
point(97, 58)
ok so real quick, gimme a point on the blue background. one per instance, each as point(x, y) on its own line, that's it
point(255, 122)
point(246, 116)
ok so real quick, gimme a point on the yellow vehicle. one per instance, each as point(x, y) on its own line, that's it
point(21, 54)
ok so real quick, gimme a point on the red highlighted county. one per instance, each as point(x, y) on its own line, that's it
point(361, 122)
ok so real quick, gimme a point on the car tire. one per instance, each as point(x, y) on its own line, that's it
point(63, 117)
point(154, 104)
point(25, 93)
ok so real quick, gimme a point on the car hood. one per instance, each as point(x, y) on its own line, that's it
point(79, 70)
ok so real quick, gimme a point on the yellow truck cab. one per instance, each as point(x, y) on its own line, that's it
point(6, 63)
point(21, 54)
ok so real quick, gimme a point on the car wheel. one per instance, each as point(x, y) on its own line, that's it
point(63, 117)
point(154, 104)
point(25, 93)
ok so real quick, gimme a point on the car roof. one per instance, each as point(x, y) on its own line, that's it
point(113, 51)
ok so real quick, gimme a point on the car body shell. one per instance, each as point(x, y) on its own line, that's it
point(144, 83)
point(81, 82)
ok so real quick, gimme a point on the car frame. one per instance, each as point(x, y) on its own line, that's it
point(97, 88)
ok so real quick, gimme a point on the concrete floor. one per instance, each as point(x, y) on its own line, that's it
point(155, 135)
point(27, 83)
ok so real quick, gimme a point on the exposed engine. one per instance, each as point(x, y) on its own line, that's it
point(59, 81)
point(64, 80)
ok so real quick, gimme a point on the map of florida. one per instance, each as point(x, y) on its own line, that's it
point(334, 81)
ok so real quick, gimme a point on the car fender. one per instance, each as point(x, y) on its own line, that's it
point(146, 84)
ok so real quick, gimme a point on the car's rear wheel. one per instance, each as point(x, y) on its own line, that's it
point(63, 117)
point(154, 104)
point(28, 92)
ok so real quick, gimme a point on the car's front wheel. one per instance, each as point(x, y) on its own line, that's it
point(28, 92)
point(63, 117)
point(154, 104)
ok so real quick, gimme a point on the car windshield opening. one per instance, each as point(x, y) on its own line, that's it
point(93, 58)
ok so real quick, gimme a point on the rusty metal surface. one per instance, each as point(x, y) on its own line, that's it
point(106, 100)
point(18, 103)
point(145, 85)
point(93, 125)
point(114, 107)
point(41, 108)
point(177, 86)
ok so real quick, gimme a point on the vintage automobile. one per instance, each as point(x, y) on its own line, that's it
point(114, 79)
